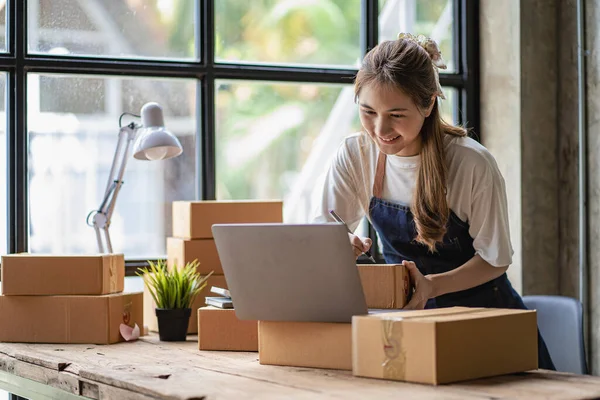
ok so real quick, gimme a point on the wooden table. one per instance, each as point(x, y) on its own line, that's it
point(150, 369)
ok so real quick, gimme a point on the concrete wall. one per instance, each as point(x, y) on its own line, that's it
point(593, 135)
point(568, 150)
point(529, 122)
point(500, 113)
point(539, 169)
point(519, 76)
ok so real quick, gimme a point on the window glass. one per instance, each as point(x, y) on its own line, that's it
point(113, 28)
point(273, 139)
point(73, 126)
point(308, 32)
point(432, 18)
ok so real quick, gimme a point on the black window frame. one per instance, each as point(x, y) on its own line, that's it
point(18, 63)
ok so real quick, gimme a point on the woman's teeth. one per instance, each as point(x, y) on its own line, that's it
point(390, 140)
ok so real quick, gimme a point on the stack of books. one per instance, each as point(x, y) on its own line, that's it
point(222, 301)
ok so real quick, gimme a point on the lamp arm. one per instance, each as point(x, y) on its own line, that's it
point(100, 218)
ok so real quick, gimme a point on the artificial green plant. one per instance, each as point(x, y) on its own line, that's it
point(175, 288)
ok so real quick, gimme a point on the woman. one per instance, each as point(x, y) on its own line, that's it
point(435, 196)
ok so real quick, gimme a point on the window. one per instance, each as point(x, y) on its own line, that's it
point(259, 93)
point(314, 33)
point(162, 29)
point(277, 150)
point(72, 138)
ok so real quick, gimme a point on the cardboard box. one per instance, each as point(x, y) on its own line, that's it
point(150, 305)
point(33, 274)
point(305, 344)
point(385, 285)
point(220, 329)
point(444, 345)
point(69, 319)
point(183, 251)
point(194, 219)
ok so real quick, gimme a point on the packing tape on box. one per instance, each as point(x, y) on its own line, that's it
point(113, 274)
point(394, 363)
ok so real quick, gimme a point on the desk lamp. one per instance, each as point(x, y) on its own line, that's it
point(152, 142)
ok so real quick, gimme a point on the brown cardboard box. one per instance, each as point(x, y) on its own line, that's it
point(219, 329)
point(385, 285)
point(305, 344)
point(150, 305)
point(69, 319)
point(183, 251)
point(444, 345)
point(33, 274)
point(194, 219)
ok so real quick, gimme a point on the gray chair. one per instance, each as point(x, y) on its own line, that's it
point(560, 321)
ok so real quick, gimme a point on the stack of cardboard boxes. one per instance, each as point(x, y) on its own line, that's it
point(66, 299)
point(192, 239)
point(328, 344)
point(427, 346)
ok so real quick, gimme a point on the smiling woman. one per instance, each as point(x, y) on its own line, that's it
point(434, 196)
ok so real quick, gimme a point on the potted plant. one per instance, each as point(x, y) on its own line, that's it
point(173, 292)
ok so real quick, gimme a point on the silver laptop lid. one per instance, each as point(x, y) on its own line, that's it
point(289, 272)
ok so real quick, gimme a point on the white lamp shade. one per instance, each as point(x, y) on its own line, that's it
point(156, 143)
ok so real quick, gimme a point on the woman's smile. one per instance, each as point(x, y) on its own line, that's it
point(390, 140)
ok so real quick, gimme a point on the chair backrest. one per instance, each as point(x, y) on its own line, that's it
point(560, 321)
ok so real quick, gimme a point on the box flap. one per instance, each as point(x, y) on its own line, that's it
point(478, 314)
point(445, 314)
point(405, 314)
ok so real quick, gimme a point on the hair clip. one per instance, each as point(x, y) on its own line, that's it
point(434, 53)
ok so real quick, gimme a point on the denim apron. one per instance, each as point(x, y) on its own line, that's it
point(396, 228)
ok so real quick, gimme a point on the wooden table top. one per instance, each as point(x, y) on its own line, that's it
point(150, 369)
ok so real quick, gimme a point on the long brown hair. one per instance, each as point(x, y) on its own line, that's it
point(405, 65)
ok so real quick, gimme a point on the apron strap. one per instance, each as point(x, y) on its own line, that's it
point(379, 176)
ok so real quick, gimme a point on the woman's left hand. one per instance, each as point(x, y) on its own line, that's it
point(424, 289)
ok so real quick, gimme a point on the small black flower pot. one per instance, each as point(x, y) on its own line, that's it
point(173, 323)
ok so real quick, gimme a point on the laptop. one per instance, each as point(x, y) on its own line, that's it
point(290, 272)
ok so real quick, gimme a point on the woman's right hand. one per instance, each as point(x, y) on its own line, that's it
point(360, 245)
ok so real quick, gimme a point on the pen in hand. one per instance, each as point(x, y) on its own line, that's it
point(339, 219)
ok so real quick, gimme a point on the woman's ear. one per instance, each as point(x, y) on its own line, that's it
point(430, 108)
